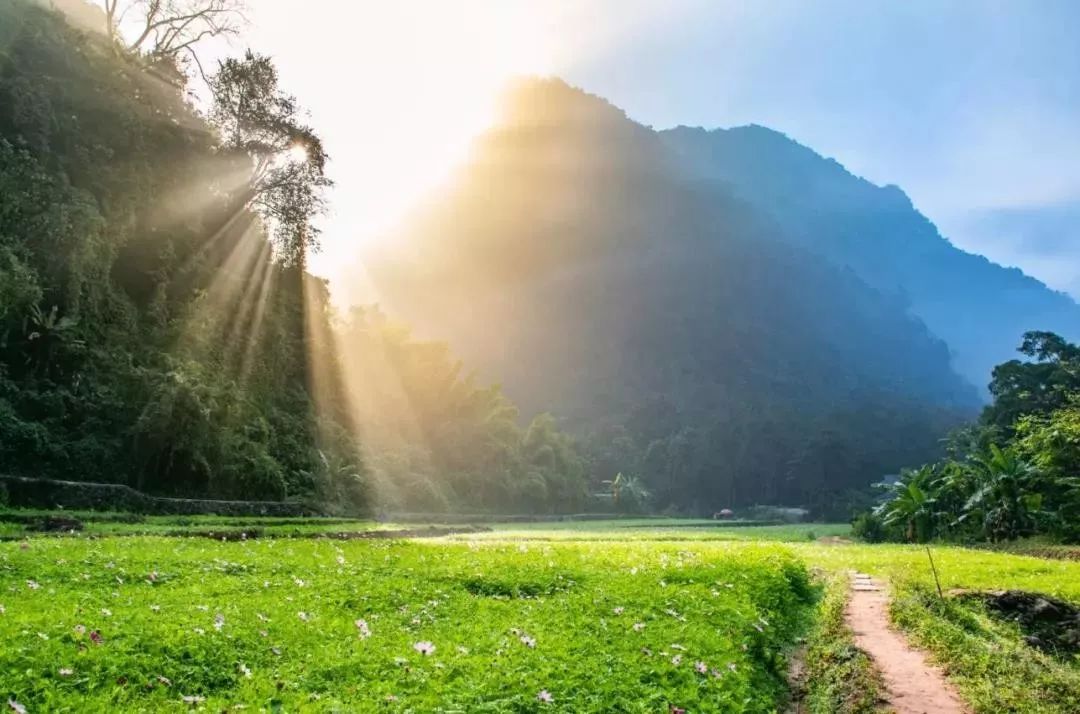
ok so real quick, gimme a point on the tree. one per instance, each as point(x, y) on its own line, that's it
point(1004, 500)
point(282, 159)
point(1040, 386)
point(911, 505)
point(162, 29)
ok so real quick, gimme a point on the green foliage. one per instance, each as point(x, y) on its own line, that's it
point(192, 617)
point(1015, 474)
point(871, 528)
point(149, 334)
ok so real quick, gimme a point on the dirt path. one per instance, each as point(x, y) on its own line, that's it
point(912, 685)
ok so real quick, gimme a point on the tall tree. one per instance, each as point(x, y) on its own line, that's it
point(281, 157)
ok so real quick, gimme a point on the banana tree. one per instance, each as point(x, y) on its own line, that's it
point(911, 505)
point(1005, 501)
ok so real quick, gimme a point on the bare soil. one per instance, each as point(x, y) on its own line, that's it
point(912, 684)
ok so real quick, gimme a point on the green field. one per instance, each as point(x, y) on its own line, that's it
point(612, 616)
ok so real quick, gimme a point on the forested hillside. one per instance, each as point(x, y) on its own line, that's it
point(157, 325)
point(668, 322)
point(979, 308)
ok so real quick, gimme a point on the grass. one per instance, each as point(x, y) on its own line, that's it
point(704, 586)
point(987, 659)
point(838, 678)
point(214, 611)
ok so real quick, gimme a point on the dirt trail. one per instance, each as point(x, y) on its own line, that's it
point(913, 686)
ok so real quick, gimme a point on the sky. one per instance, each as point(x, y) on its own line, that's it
point(972, 107)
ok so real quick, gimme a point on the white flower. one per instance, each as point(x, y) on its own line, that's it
point(618, 610)
point(341, 560)
point(33, 585)
point(363, 629)
point(425, 648)
point(303, 616)
point(639, 626)
point(262, 617)
point(676, 660)
point(528, 641)
point(155, 608)
point(299, 583)
point(42, 635)
point(192, 699)
point(245, 670)
point(16, 707)
point(66, 671)
point(545, 696)
point(219, 621)
point(701, 667)
point(2, 609)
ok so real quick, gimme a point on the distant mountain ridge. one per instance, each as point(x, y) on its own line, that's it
point(979, 308)
point(663, 317)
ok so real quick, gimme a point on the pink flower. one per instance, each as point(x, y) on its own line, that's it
point(701, 667)
point(425, 648)
point(96, 637)
point(16, 707)
point(545, 696)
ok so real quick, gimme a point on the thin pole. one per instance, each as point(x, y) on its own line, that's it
point(934, 569)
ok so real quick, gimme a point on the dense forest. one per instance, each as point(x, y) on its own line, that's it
point(667, 322)
point(157, 325)
point(979, 308)
point(1014, 473)
point(666, 338)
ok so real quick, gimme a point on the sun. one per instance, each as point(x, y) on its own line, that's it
point(297, 154)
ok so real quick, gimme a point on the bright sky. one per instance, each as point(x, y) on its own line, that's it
point(972, 107)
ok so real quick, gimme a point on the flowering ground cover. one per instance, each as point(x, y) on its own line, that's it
point(157, 624)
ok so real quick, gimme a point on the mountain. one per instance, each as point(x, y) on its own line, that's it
point(664, 318)
point(979, 308)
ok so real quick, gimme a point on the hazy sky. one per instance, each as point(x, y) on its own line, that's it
point(972, 107)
